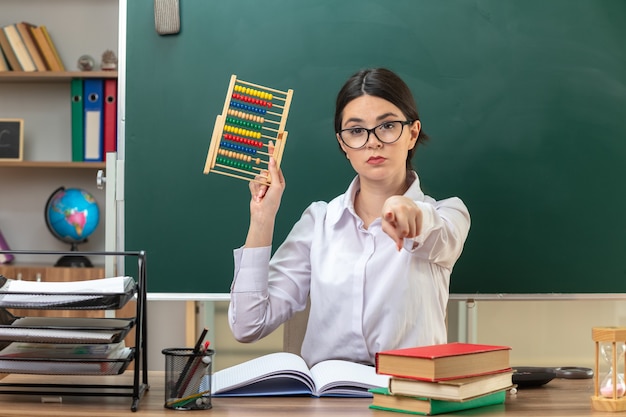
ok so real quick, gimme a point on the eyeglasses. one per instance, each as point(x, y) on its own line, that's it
point(387, 132)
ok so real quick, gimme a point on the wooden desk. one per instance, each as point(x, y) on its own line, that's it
point(559, 398)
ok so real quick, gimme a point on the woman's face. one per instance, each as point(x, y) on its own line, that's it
point(377, 160)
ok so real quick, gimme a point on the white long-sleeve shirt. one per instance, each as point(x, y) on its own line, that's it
point(365, 295)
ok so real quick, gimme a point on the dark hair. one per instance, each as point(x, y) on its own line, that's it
point(383, 83)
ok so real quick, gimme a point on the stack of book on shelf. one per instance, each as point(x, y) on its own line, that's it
point(27, 48)
point(443, 378)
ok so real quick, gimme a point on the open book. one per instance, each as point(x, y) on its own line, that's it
point(285, 373)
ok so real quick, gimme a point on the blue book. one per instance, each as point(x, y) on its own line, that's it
point(93, 92)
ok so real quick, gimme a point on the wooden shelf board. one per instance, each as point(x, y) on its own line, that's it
point(52, 164)
point(52, 76)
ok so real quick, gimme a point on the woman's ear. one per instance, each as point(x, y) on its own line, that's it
point(341, 145)
point(415, 129)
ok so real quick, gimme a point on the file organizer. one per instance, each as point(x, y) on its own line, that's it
point(252, 117)
point(78, 330)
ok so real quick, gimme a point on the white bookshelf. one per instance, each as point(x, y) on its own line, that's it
point(77, 27)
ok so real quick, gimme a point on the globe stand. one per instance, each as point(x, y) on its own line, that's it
point(74, 261)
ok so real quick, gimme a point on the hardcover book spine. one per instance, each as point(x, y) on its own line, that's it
point(14, 63)
point(53, 47)
point(24, 30)
point(19, 48)
point(45, 49)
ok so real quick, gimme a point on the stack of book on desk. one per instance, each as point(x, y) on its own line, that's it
point(443, 378)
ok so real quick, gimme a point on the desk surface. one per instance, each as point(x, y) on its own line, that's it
point(559, 398)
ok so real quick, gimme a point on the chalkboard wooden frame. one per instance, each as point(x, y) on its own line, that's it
point(11, 139)
point(524, 103)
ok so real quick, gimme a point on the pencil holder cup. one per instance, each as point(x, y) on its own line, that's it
point(188, 378)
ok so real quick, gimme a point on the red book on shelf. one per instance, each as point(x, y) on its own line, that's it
point(110, 116)
point(444, 361)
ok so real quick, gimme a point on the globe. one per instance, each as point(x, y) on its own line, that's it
point(72, 215)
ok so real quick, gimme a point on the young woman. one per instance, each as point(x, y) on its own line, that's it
point(375, 261)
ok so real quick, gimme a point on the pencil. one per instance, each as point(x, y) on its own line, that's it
point(183, 374)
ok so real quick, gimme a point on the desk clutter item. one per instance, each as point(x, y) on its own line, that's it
point(187, 378)
point(444, 361)
point(385, 401)
point(443, 378)
point(533, 376)
point(609, 385)
point(52, 347)
point(63, 329)
point(5, 258)
point(252, 122)
point(97, 294)
point(285, 374)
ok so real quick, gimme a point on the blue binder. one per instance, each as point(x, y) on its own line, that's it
point(93, 106)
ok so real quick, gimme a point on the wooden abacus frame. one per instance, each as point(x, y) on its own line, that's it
point(252, 120)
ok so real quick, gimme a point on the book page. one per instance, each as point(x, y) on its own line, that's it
point(279, 373)
point(65, 329)
point(344, 378)
point(55, 335)
point(58, 367)
point(61, 350)
point(73, 322)
point(28, 294)
point(115, 285)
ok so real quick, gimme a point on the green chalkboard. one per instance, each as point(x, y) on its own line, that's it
point(525, 103)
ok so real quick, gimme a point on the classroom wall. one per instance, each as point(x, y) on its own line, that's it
point(547, 333)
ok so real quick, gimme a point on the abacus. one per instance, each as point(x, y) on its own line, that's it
point(252, 121)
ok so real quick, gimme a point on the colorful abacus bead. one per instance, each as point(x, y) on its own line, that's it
point(248, 107)
point(234, 164)
point(247, 141)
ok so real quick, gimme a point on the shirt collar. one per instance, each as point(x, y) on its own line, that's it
point(344, 204)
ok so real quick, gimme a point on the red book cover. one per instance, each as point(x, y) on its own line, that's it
point(110, 116)
point(444, 361)
point(443, 350)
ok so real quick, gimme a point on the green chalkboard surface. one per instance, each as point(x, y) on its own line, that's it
point(525, 103)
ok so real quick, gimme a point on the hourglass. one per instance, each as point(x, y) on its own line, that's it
point(609, 385)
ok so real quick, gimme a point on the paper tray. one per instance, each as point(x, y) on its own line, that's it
point(80, 366)
point(63, 329)
point(67, 301)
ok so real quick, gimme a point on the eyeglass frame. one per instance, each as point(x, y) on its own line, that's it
point(373, 130)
